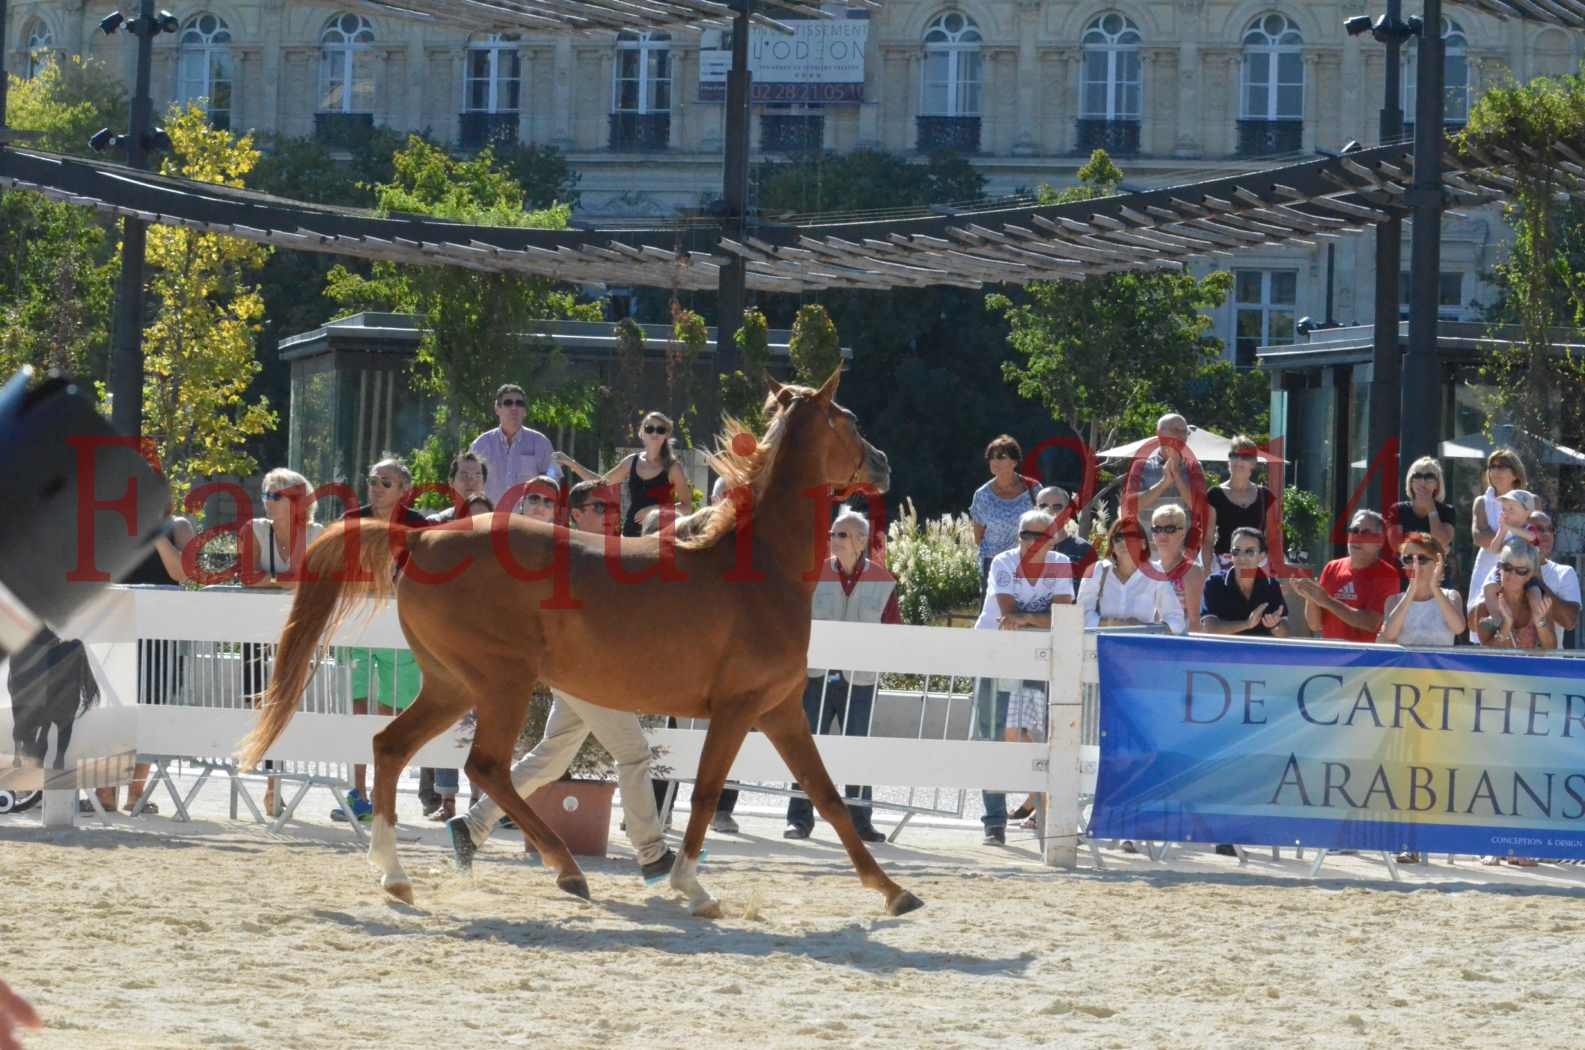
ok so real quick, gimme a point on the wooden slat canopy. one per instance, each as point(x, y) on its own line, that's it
point(560, 16)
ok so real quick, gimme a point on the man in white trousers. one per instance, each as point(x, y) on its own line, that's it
point(591, 508)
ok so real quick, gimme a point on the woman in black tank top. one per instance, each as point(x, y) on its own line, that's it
point(650, 478)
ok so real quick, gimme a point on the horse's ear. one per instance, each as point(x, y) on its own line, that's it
point(781, 395)
point(775, 388)
point(829, 390)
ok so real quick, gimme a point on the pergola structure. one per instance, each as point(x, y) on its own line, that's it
point(1158, 229)
point(560, 16)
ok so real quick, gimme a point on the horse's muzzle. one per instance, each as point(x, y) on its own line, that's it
point(877, 468)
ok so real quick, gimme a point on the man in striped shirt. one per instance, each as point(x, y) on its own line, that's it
point(513, 453)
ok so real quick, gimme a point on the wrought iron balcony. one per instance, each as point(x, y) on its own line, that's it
point(791, 132)
point(478, 130)
point(343, 130)
point(1120, 138)
point(640, 132)
point(1268, 138)
point(948, 134)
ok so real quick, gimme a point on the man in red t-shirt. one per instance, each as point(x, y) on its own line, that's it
point(1346, 605)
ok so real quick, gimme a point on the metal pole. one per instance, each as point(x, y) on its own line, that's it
point(1386, 358)
point(1331, 275)
point(4, 81)
point(1421, 421)
point(126, 357)
point(733, 287)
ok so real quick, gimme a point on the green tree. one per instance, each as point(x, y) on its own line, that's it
point(743, 392)
point(199, 352)
point(57, 262)
point(475, 324)
point(864, 180)
point(1533, 383)
point(689, 338)
point(814, 345)
point(1113, 352)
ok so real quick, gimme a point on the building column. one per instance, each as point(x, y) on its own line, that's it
point(684, 67)
point(1360, 112)
point(561, 96)
point(248, 74)
point(1027, 121)
point(1187, 141)
point(1312, 97)
point(997, 120)
point(413, 64)
point(1064, 96)
point(912, 103)
point(875, 83)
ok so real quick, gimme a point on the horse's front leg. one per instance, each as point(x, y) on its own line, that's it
point(729, 724)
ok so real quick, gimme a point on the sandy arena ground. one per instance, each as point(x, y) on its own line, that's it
point(155, 934)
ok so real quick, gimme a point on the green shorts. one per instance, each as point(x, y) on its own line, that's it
point(395, 672)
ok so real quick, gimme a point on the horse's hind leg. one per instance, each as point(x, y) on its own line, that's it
point(788, 729)
point(502, 708)
point(439, 703)
point(729, 724)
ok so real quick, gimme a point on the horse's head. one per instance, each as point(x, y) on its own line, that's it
point(830, 434)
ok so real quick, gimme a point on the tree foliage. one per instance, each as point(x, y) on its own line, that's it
point(743, 391)
point(689, 337)
point(199, 354)
point(814, 345)
point(1109, 354)
point(474, 323)
point(864, 180)
point(57, 262)
point(1533, 383)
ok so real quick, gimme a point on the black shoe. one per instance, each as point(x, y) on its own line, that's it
point(659, 869)
point(796, 831)
point(871, 835)
point(995, 837)
point(507, 823)
point(1224, 850)
point(724, 823)
point(462, 846)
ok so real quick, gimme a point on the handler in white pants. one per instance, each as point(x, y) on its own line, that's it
point(570, 722)
point(591, 508)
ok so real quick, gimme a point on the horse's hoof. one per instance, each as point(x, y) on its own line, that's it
point(903, 903)
point(402, 891)
point(709, 908)
point(576, 885)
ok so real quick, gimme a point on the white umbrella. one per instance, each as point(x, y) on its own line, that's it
point(1479, 446)
point(1206, 446)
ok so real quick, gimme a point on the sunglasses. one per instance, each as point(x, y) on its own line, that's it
point(840, 534)
point(1422, 477)
point(512, 402)
point(1363, 530)
point(375, 479)
point(1164, 530)
point(1049, 506)
point(1418, 559)
point(651, 428)
point(535, 499)
point(1247, 456)
point(278, 494)
point(1246, 552)
point(1002, 455)
point(1031, 535)
point(1502, 466)
point(1517, 570)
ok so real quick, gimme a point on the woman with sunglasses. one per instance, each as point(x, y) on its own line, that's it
point(1424, 510)
point(1000, 502)
point(1169, 530)
point(1117, 594)
point(652, 476)
point(275, 544)
point(1520, 619)
point(1491, 523)
point(1237, 503)
point(1242, 599)
point(1427, 613)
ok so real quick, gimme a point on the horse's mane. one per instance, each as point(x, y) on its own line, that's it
point(746, 472)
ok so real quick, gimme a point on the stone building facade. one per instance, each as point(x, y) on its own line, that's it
point(1177, 90)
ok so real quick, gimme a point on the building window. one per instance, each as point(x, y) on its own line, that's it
point(1273, 82)
point(1109, 74)
point(203, 67)
point(39, 41)
point(643, 73)
point(1455, 76)
point(1449, 296)
point(1263, 310)
point(346, 65)
point(493, 77)
point(953, 67)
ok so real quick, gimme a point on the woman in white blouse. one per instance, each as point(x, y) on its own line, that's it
point(1115, 593)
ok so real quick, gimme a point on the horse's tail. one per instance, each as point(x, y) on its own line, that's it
point(351, 561)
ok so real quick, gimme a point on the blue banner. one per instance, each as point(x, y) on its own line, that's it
point(1285, 744)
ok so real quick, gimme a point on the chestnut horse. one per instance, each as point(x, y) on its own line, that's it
point(727, 607)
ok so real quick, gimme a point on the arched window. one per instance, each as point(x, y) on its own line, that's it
point(203, 66)
point(1273, 83)
point(643, 73)
point(39, 41)
point(1455, 75)
point(1109, 75)
point(346, 65)
point(953, 67)
point(493, 77)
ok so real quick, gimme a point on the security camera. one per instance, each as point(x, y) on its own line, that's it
point(103, 139)
point(1357, 25)
point(111, 22)
point(167, 22)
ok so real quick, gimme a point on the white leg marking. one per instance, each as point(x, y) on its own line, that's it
point(685, 880)
point(382, 853)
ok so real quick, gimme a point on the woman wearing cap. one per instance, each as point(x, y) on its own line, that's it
point(1491, 523)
